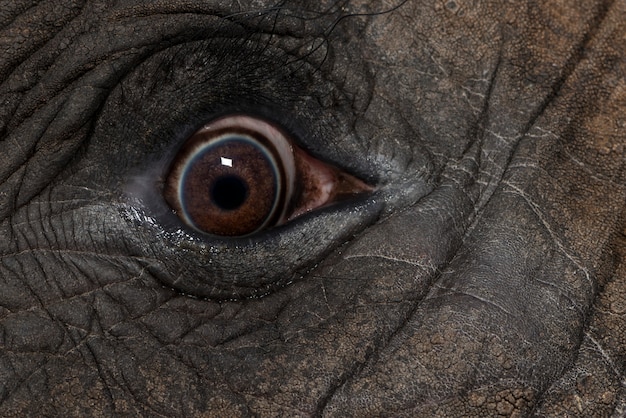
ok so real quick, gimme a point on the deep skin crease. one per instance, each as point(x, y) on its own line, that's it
point(486, 275)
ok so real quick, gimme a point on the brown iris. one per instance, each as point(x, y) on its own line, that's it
point(232, 177)
point(230, 188)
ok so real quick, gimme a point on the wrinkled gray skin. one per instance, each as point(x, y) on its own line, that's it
point(484, 276)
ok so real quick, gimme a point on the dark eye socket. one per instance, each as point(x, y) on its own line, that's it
point(239, 175)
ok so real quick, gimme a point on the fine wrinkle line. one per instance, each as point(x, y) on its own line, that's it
point(505, 139)
point(481, 130)
point(533, 206)
point(139, 321)
point(563, 293)
point(427, 266)
point(171, 8)
point(541, 169)
point(76, 252)
point(607, 358)
point(456, 292)
point(52, 214)
point(593, 174)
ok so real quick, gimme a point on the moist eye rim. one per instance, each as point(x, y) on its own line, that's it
point(180, 234)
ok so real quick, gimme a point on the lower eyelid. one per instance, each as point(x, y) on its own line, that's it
point(232, 268)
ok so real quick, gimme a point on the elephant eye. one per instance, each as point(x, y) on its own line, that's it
point(239, 174)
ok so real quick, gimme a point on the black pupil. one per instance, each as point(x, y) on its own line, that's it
point(229, 192)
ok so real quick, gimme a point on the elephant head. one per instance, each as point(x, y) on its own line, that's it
point(468, 259)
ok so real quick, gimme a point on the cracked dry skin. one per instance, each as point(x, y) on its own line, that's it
point(486, 276)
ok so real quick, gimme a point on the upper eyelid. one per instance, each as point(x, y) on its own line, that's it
point(304, 128)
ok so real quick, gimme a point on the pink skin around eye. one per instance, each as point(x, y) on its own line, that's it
point(322, 184)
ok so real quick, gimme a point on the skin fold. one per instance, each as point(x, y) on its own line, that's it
point(485, 275)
